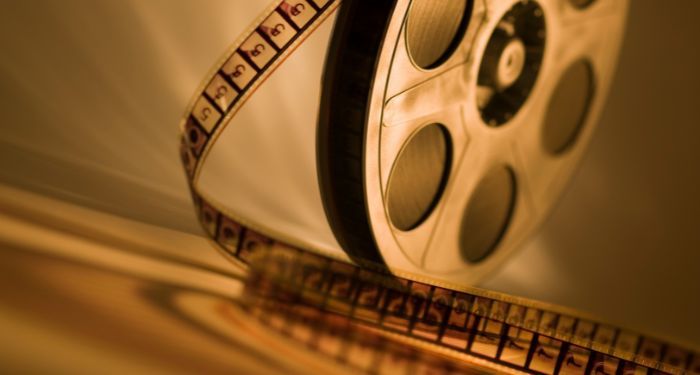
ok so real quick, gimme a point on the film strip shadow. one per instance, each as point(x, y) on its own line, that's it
point(517, 334)
point(512, 335)
point(360, 348)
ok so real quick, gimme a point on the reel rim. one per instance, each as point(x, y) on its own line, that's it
point(377, 233)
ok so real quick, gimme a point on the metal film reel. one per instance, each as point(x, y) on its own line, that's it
point(449, 129)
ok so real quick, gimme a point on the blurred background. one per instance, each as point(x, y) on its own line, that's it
point(92, 92)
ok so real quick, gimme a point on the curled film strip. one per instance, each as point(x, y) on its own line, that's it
point(507, 332)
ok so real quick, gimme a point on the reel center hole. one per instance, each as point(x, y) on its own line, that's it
point(511, 63)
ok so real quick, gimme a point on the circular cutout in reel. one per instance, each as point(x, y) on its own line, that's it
point(435, 29)
point(418, 177)
point(415, 168)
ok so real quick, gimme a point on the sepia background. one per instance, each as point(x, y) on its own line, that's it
point(92, 93)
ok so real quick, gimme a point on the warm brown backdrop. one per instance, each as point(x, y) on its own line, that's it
point(624, 242)
point(91, 93)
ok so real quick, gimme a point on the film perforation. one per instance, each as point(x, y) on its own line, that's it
point(249, 63)
point(313, 293)
point(545, 353)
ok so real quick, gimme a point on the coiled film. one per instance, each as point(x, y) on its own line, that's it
point(503, 332)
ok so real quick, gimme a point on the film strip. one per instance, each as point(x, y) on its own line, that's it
point(513, 333)
point(506, 332)
point(359, 348)
point(264, 46)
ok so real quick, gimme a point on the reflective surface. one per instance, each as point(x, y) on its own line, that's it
point(91, 94)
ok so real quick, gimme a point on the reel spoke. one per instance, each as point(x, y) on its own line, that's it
point(440, 255)
point(557, 122)
point(433, 95)
point(487, 206)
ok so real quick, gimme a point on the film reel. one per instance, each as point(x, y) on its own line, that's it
point(460, 124)
point(495, 98)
